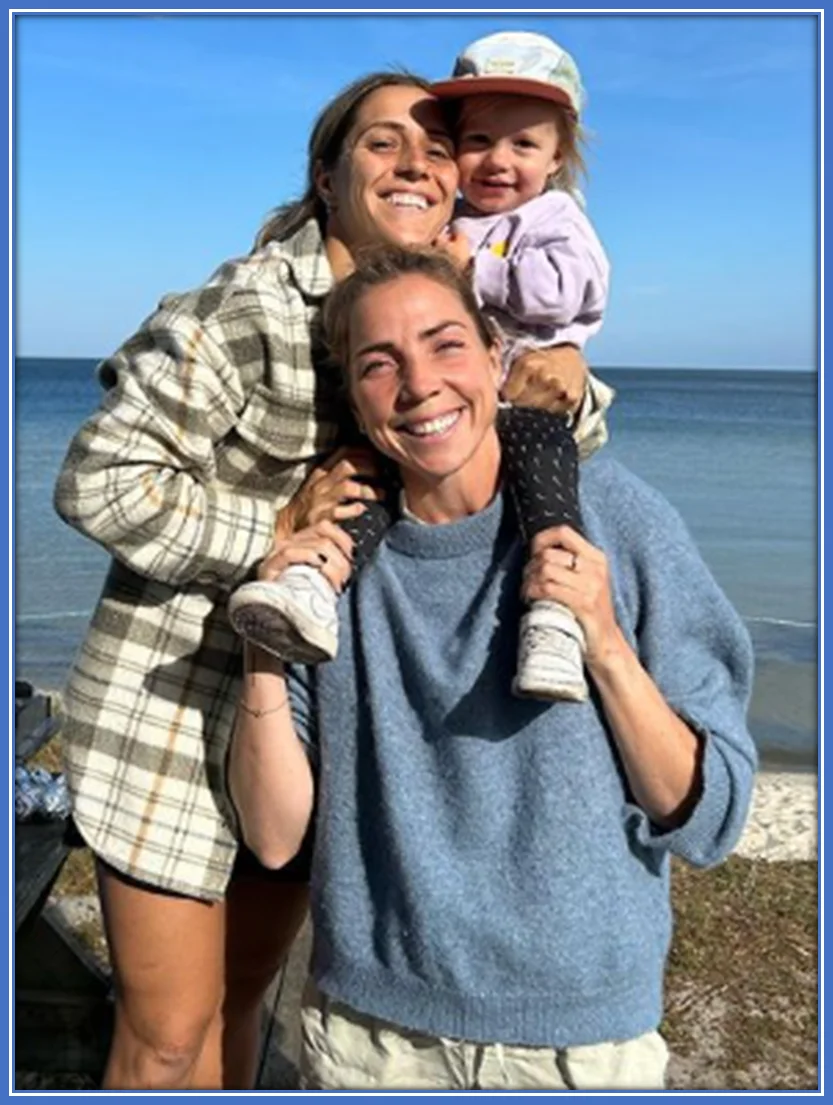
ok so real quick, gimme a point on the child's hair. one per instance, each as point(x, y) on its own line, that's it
point(571, 142)
point(380, 265)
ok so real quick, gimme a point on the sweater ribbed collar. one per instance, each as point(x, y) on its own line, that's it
point(437, 541)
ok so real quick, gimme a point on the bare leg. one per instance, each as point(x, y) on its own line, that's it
point(179, 1021)
point(167, 957)
point(263, 919)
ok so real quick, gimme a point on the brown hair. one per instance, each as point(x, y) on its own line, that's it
point(381, 264)
point(325, 146)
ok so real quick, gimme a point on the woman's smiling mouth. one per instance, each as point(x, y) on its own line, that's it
point(407, 199)
point(432, 427)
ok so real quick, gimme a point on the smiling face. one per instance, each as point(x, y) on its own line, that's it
point(424, 388)
point(507, 149)
point(396, 179)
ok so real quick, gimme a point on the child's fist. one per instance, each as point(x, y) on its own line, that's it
point(552, 379)
point(456, 245)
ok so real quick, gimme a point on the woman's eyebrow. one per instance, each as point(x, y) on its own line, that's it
point(376, 347)
point(423, 335)
point(391, 124)
point(435, 133)
point(432, 331)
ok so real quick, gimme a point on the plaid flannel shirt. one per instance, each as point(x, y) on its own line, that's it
point(214, 413)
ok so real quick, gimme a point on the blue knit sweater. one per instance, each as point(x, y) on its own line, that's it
point(481, 870)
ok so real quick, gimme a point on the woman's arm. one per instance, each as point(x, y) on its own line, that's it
point(270, 777)
point(676, 712)
point(660, 753)
point(269, 772)
point(141, 476)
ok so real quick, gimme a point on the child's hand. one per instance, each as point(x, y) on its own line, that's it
point(457, 246)
point(552, 379)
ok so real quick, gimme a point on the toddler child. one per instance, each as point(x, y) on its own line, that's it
point(541, 275)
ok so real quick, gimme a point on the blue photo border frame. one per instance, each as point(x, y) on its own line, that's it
point(13, 12)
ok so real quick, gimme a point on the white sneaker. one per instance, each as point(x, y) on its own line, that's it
point(294, 616)
point(551, 654)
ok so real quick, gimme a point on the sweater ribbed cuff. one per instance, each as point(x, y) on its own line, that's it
point(708, 834)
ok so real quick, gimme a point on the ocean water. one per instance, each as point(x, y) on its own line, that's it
point(735, 452)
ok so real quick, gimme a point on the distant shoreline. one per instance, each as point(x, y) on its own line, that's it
point(690, 369)
point(599, 368)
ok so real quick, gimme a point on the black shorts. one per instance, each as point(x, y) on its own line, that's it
point(248, 866)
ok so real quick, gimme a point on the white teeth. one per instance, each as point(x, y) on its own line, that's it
point(408, 199)
point(434, 425)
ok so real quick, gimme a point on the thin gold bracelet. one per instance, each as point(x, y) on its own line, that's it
point(262, 713)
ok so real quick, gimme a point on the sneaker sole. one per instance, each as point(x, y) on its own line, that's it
point(531, 687)
point(269, 626)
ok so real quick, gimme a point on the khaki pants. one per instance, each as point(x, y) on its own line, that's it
point(345, 1050)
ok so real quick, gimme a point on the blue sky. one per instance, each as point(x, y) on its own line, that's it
point(149, 148)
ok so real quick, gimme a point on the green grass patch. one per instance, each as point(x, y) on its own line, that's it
point(742, 983)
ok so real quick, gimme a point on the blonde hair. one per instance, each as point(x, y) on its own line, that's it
point(380, 265)
point(571, 142)
point(326, 144)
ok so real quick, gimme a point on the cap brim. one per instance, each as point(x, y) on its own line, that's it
point(519, 86)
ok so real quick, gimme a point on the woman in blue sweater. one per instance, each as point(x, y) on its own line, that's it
point(490, 880)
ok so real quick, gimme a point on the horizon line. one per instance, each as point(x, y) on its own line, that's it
point(593, 367)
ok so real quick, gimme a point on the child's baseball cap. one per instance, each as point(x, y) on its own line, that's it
point(518, 62)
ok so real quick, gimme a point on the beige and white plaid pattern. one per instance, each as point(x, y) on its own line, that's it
point(214, 412)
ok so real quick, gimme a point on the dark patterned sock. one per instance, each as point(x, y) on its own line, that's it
point(370, 527)
point(368, 530)
point(540, 463)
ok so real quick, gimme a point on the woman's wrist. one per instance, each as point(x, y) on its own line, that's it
point(613, 660)
point(264, 691)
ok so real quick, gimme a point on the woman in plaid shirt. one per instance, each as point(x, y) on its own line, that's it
point(215, 412)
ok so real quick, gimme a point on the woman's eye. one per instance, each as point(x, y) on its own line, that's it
point(374, 368)
point(381, 143)
point(440, 153)
point(526, 144)
point(450, 345)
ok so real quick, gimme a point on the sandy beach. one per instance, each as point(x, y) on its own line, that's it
point(783, 820)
